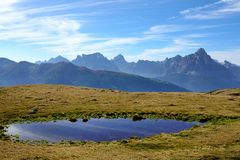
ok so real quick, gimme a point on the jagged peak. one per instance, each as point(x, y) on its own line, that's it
point(78, 56)
point(119, 57)
point(59, 56)
point(93, 55)
point(58, 59)
point(227, 62)
point(201, 51)
point(97, 54)
point(178, 56)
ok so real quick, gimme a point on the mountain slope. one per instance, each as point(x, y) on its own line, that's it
point(6, 63)
point(235, 69)
point(69, 74)
point(17, 74)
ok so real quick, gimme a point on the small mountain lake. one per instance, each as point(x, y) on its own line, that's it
point(101, 129)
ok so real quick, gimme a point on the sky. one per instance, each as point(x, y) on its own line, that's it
point(33, 30)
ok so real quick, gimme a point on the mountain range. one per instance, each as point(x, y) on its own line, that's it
point(195, 72)
point(22, 73)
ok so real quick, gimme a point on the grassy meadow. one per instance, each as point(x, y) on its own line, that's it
point(218, 139)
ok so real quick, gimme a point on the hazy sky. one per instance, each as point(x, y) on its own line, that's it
point(138, 29)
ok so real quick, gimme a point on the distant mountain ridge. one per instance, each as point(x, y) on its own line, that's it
point(196, 72)
point(12, 73)
point(95, 61)
point(54, 60)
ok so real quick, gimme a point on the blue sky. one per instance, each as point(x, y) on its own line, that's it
point(138, 29)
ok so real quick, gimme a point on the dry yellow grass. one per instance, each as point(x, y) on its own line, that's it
point(217, 140)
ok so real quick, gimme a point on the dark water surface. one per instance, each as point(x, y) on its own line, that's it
point(96, 129)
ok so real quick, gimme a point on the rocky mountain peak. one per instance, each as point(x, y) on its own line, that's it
point(228, 64)
point(94, 55)
point(201, 53)
point(201, 56)
point(119, 58)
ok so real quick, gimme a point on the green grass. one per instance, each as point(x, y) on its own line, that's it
point(219, 139)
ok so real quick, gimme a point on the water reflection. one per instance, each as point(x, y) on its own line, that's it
point(95, 129)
